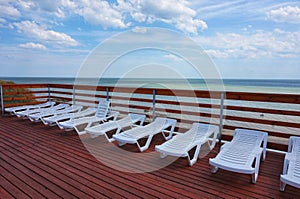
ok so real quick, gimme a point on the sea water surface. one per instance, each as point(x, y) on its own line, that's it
point(289, 86)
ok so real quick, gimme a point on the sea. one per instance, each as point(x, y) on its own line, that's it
point(287, 86)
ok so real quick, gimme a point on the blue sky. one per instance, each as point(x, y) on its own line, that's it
point(245, 39)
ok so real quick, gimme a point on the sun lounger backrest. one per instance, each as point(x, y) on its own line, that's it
point(157, 124)
point(102, 109)
point(248, 137)
point(294, 144)
point(297, 147)
point(195, 132)
point(203, 129)
point(124, 121)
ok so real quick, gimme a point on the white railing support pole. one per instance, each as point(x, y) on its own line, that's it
point(73, 95)
point(221, 116)
point(107, 93)
point(2, 101)
point(153, 104)
point(49, 93)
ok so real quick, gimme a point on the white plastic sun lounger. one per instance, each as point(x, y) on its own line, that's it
point(67, 110)
point(35, 117)
point(240, 154)
point(181, 144)
point(102, 114)
point(129, 121)
point(132, 136)
point(25, 113)
point(55, 119)
point(291, 166)
point(15, 109)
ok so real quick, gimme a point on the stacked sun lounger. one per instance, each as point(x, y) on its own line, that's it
point(26, 113)
point(103, 114)
point(14, 110)
point(37, 115)
point(55, 119)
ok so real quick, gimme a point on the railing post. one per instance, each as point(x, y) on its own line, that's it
point(73, 95)
point(2, 101)
point(107, 93)
point(153, 104)
point(49, 93)
point(221, 116)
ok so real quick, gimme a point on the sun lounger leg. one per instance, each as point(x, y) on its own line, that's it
point(167, 137)
point(285, 166)
point(163, 155)
point(146, 146)
point(170, 132)
point(112, 139)
point(214, 169)
point(265, 147)
point(196, 155)
point(253, 178)
point(282, 186)
point(93, 136)
point(109, 139)
point(284, 171)
point(257, 162)
point(213, 143)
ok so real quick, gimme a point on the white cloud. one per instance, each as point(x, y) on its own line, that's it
point(9, 11)
point(25, 4)
point(100, 13)
point(286, 14)
point(31, 29)
point(174, 12)
point(259, 44)
point(139, 29)
point(216, 53)
point(51, 6)
point(31, 45)
point(2, 22)
point(120, 14)
point(42, 8)
point(173, 57)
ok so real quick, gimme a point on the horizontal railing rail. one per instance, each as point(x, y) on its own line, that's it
point(277, 114)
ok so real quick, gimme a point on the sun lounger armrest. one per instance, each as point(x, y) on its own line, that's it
point(171, 123)
point(113, 114)
point(292, 143)
point(198, 143)
point(138, 118)
point(225, 145)
point(288, 157)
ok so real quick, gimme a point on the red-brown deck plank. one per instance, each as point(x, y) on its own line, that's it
point(8, 186)
point(39, 161)
point(3, 192)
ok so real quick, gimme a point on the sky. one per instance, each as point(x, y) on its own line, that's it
point(244, 39)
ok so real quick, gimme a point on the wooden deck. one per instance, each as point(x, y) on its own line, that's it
point(38, 161)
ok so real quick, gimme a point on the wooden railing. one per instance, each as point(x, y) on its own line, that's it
point(278, 114)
